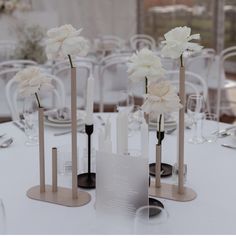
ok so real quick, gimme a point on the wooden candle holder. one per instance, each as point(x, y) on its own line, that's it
point(171, 191)
point(52, 193)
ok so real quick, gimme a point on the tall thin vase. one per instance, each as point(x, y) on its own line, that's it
point(181, 130)
point(41, 150)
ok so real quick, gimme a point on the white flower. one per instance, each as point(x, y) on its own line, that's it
point(145, 64)
point(75, 46)
point(31, 81)
point(9, 6)
point(161, 98)
point(177, 41)
point(64, 41)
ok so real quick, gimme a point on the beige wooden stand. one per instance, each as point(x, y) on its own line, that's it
point(170, 191)
point(53, 194)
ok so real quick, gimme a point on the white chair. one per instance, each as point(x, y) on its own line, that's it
point(113, 78)
point(140, 41)
point(109, 44)
point(14, 99)
point(223, 83)
point(85, 68)
point(17, 63)
point(7, 49)
point(7, 71)
point(195, 84)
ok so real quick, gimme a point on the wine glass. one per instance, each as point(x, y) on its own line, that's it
point(151, 220)
point(195, 110)
point(30, 115)
point(2, 218)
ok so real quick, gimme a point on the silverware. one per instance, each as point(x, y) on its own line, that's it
point(169, 132)
point(224, 132)
point(2, 135)
point(6, 143)
point(229, 146)
point(80, 130)
point(18, 125)
point(101, 120)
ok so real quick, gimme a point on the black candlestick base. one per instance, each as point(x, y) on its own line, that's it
point(155, 203)
point(166, 168)
point(86, 180)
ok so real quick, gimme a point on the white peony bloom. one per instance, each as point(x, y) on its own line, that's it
point(65, 40)
point(9, 6)
point(177, 41)
point(161, 98)
point(145, 64)
point(31, 81)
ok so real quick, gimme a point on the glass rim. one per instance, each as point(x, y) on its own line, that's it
point(151, 220)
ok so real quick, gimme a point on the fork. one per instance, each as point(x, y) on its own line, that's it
point(2, 135)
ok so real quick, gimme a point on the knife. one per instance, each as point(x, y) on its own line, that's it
point(18, 126)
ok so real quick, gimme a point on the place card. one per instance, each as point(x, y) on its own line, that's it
point(121, 184)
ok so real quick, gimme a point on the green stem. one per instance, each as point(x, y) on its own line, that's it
point(146, 85)
point(159, 141)
point(71, 64)
point(37, 97)
point(181, 61)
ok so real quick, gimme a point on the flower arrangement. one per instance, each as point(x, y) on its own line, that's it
point(32, 81)
point(65, 41)
point(9, 6)
point(161, 98)
point(145, 65)
point(30, 44)
point(177, 42)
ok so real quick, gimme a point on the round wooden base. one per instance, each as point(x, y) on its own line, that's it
point(63, 196)
point(170, 191)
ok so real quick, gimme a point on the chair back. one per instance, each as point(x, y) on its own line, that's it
point(15, 101)
point(140, 41)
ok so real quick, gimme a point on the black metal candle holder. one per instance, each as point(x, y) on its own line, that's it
point(87, 180)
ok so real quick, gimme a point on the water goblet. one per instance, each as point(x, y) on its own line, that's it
point(195, 110)
point(30, 114)
point(150, 220)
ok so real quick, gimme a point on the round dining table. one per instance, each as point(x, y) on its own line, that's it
point(210, 173)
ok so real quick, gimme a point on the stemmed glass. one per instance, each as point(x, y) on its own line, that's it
point(151, 220)
point(30, 115)
point(2, 219)
point(195, 110)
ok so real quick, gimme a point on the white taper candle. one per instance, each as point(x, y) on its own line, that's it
point(144, 139)
point(89, 101)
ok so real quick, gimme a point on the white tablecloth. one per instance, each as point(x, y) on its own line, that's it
point(211, 173)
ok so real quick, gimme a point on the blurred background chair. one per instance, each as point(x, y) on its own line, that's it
point(85, 67)
point(224, 83)
point(7, 48)
point(139, 41)
point(113, 78)
point(194, 84)
point(15, 101)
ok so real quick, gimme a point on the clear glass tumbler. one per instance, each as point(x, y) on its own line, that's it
point(30, 113)
point(195, 110)
point(151, 220)
point(210, 127)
